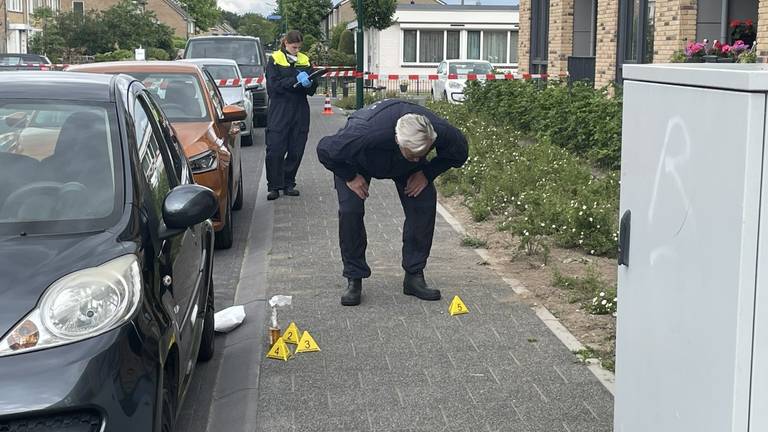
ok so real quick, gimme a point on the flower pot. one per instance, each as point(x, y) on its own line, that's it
point(710, 59)
point(726, 60)
point(403, 88)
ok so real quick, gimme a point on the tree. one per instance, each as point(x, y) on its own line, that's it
point(377, 13)
point(231, 18)
point(347, 42)
point(305, 15)
point(125, 26)
point(48, 42)
point(205, 12)
point(252, 24)
point(336, 34)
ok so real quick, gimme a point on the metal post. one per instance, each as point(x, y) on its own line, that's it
point(4, 25)
point(360, 56)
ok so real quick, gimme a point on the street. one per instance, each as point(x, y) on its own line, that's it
point(394, 363)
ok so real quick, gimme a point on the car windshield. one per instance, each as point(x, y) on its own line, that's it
point(222, 72)
point(470, 68)
point(179, 95)
point(58, 167)
point(242, 51)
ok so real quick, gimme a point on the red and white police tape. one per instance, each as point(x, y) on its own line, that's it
point(239, 82)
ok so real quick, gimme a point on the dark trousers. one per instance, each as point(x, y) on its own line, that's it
point(418, 229)
point(285, 149)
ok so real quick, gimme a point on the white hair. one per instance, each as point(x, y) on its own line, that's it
point(415, 133)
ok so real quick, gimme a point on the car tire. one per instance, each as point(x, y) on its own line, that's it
point(238, 204)
point(208, 339)
point(169, 401)
point(247, 140)
point(225, 236)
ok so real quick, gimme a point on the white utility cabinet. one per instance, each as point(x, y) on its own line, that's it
point(692, 331)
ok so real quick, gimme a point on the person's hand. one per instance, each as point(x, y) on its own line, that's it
point(303, 78)
point(417, 182)
point(359, 186)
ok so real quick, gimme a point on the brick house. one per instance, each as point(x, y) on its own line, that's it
point(342, 12)
point(594, 38)
point(168, 12)
point(16, 22)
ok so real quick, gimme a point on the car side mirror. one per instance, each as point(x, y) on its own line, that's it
point(233, 113)
point(185, 206)
point(253, 86)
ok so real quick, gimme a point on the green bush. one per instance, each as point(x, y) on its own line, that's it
point(118, 55)
point(576, 117)
point(157, 54)
point(336, 34)
point(347, 42)
point(540, 191)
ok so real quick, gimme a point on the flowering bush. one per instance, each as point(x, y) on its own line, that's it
point(604, 303)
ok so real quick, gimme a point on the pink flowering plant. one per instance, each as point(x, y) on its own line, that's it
point(699, 52)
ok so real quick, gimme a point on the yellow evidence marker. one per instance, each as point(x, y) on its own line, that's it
point(457, 307)
point(279, 351)
point(307, 344)
point(291, 335)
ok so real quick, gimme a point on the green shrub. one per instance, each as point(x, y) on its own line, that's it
point(539, 192)
point(157, 54)
point(347, 42)
point(336, 34)
point(118, 55)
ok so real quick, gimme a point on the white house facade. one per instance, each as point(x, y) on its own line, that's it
point(424, 35)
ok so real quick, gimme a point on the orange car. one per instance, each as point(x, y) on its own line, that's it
point(208, 130)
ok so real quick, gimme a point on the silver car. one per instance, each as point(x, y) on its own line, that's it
point(230, 81)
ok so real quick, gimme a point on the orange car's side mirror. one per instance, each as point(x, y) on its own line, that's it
point(234, 113)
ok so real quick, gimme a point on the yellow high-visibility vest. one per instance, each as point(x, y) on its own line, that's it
point(281, 60)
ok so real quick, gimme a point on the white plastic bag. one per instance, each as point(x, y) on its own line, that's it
point(228, 319)
point(278, 301)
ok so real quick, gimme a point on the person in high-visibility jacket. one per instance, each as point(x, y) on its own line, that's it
point(288, 114)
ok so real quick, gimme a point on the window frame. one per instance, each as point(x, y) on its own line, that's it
point(463, 46)
point(539, 52)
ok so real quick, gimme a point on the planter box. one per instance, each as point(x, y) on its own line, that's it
point(692, 334)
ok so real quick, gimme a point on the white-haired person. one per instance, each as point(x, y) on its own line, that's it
point(390, 140)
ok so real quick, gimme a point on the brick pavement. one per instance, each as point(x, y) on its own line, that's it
point(397, 363)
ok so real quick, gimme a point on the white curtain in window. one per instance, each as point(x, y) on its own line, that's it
point(431, 48)
point(473, 45)
point(495, 46)
point(409, 46)
point(453, 48)
point(513, 38)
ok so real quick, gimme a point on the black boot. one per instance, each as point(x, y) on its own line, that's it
point(273, 195)
point(290, 191)
point(351, 296)
point(415, 285)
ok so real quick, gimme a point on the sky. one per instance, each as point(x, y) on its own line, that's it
point(265, 7)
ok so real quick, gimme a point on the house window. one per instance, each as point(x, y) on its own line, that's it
point(77, 8)
point(584, 28)
point(539, 36)
point(495, 46)
point(513, 41)
point(636, 26)
point(15, 5)
point(431, 47)
point(409, 46)
point(453, 45)
point(473, 45)
point(713, 18)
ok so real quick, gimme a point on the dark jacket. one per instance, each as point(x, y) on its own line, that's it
point(288, 107)
point(367, 146)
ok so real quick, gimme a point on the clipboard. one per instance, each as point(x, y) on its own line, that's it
point(316, 74)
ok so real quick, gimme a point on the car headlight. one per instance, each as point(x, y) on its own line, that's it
point(79, 306)
point(455, 85)
point(203, 162)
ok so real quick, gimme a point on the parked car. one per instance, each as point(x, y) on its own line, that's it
point(14, 62)
point(105, 255)
point(452, 89)
point(196, 109)
point(248, 52)
point(227, 75)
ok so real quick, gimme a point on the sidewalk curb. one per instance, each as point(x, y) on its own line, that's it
point(236, 391)
point(606, 377)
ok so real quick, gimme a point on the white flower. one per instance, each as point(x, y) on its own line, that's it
point(604, 302)
point(602, 294)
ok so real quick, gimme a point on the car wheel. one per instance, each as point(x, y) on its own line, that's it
point(207, 340)
point(170, 398)
point(247, 140)
point(238, 204)
point(225, 236)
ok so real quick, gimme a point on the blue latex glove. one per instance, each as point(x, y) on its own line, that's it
point(303, 78)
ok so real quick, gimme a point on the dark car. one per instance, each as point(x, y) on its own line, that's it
point(248, 52)
point(14, 62)
point(106, 258)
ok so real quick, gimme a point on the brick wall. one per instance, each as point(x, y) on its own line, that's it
point(607, 41)
point(524, 37)
point(169, 16)
point(675, 24)
point(560, 35)
point(762, 31)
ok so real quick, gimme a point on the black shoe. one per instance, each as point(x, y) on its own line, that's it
point(273, 195)
point(351, 296)
point(415, 285)
point(290, 191)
